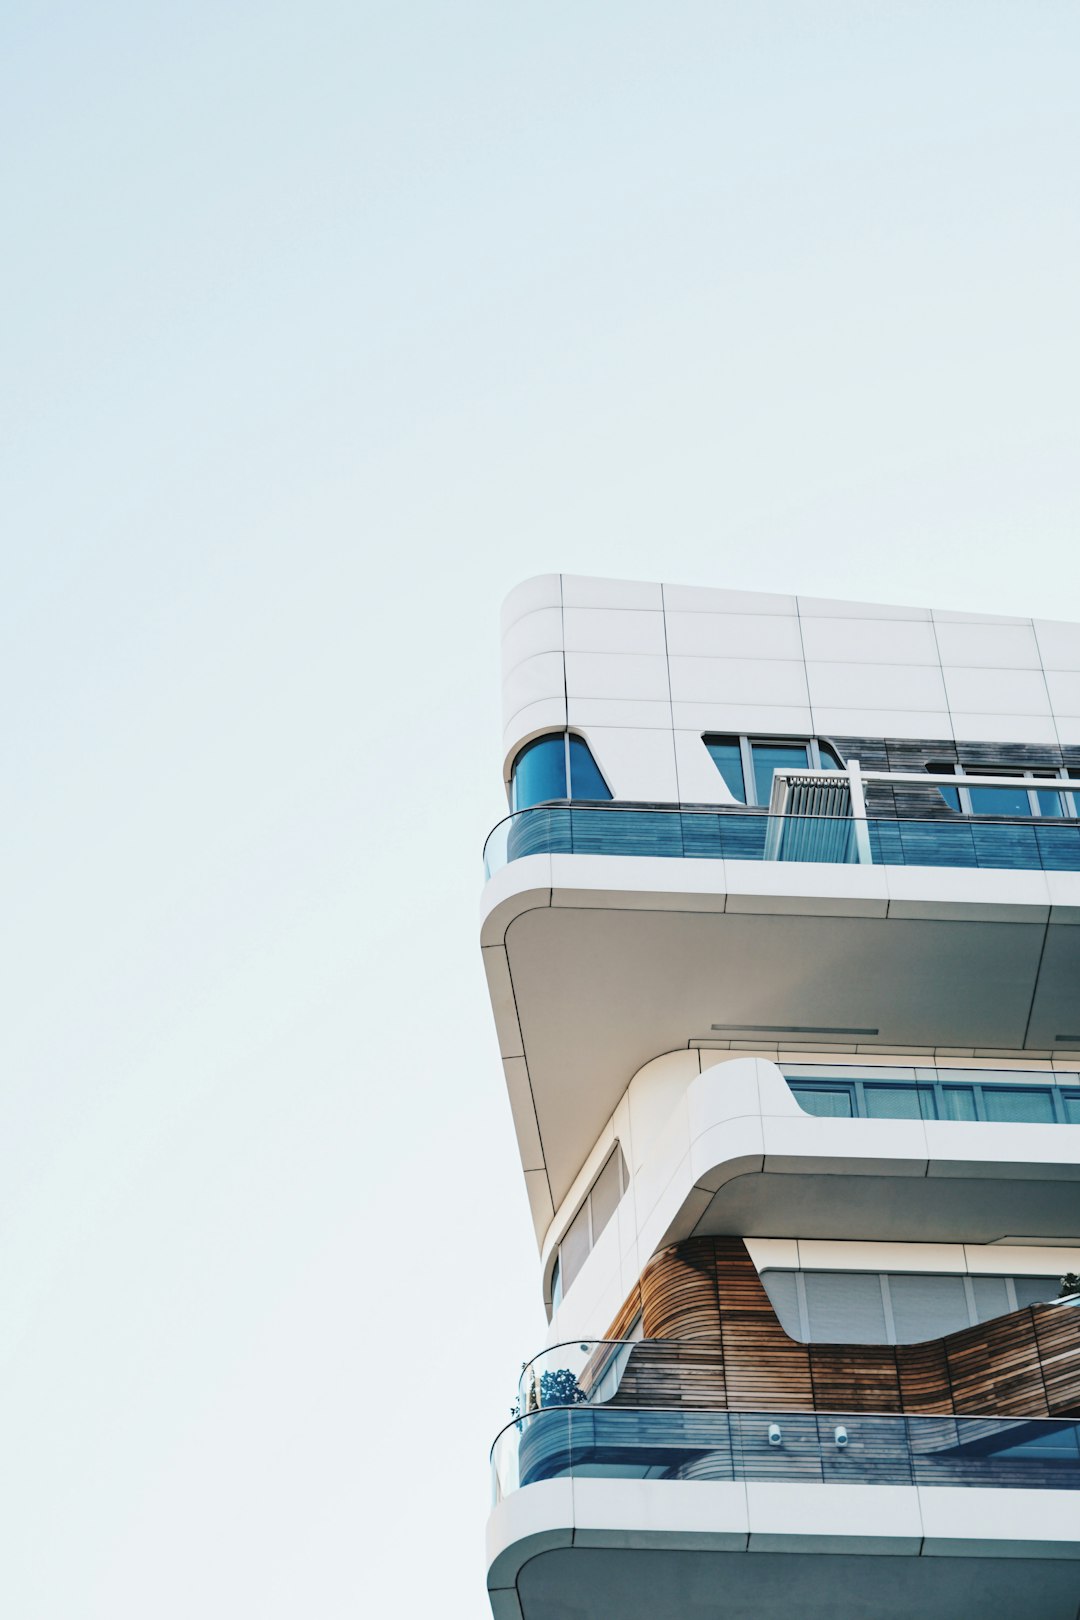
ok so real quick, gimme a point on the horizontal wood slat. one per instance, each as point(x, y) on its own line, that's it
point(712, 1341)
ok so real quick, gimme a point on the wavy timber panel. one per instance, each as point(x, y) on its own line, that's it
point(723, 1347)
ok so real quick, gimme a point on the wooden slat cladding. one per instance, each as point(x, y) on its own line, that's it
point(678, 1292)
point(1056, 1335)
point(995, 1368)
point(923, 1371)
point(712, 1340)
point(764, 1367)
point(673, 1373)
point(855, 1378)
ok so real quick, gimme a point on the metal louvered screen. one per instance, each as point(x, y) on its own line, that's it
point(817, 795)
point(844, 1307)
point(927, 1307)
point(810, 817)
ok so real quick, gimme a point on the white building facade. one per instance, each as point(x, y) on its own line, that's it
point(782, 936)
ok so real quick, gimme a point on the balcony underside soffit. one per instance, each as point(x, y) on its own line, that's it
point(599, 992)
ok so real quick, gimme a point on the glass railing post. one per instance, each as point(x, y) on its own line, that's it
point(858, 813)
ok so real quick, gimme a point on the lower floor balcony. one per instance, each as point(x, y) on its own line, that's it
point(768, 1545)
point(854, 1448)
point(648, 1514)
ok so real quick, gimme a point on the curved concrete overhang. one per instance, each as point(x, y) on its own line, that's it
point(737, 1155)
point(597, 1547)
point(597, 964)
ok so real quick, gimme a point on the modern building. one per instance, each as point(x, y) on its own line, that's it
point(782, 935)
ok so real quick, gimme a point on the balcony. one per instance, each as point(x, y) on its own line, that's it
point(853, 1448)
point(761, 1515)
point(678, 833)
point(613, 935)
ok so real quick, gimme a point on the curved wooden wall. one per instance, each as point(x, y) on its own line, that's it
point(723, 1347)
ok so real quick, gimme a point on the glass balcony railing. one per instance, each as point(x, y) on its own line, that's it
point(733, 835)
point(570, 1374)
point(589, 1442)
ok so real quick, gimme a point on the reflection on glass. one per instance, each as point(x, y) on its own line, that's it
point(770, 757)
point(959, 1102)
point(727, 757)
point(1000, 801)
point(1050, 803)
point(826, 1104)
point(585, 779)
point(539, 772)
point(1018, 1105)
point(899, 1102)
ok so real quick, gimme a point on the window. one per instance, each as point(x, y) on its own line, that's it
point(582, 1234)
point(937, 1094)
point(879, 1307)
point(1025, 800)
point(749, 762)
point(558, 766)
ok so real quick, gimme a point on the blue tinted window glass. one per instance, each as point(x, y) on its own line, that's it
point(958, 1102)
point(1071, 1100)
point(727, 757)
point(1050, 803)
point(899, 1102)
point(951, 795)
point(1000, 801)
point(540, 772)
point(1018, 1105)
point(585, 779)
point(830, 760)
point(826, 1104)
point(770, 757)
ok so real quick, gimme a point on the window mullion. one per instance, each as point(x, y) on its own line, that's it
point(969, 1295)
point(886, 1302)
point(804, 1312)
point(746, 753)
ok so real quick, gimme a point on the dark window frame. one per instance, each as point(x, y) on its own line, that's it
point(935, 1089)
point(1037, 778)
point(568, 796)
point(747, 741)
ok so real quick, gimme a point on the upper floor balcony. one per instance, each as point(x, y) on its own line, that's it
point(612, 934)
point(812, 816)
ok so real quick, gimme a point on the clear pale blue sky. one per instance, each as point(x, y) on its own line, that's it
point(323, 325)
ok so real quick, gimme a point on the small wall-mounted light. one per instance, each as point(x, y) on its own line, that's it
point(840, 1436)
point(775, 1437)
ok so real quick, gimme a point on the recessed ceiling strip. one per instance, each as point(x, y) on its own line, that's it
point(796, 1029)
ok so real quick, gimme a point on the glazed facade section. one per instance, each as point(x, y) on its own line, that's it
point(783, 939)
